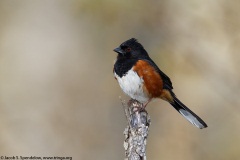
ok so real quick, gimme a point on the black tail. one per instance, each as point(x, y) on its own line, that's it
point(188, 114)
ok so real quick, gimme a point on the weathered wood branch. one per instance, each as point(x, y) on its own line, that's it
point(136, 132)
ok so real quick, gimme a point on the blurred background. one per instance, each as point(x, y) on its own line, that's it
point(58, 96)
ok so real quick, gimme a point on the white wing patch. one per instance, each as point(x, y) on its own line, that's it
point(132, 85)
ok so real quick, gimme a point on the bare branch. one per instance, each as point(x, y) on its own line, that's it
point(137, 130)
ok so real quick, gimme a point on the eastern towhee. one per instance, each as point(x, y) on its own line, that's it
point(141, 79)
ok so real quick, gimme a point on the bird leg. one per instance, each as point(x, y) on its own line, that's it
point(139, 106)
point(145, 104)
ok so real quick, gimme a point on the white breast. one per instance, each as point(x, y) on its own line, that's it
point(132, 85)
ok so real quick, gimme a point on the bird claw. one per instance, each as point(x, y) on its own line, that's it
point(137, 106)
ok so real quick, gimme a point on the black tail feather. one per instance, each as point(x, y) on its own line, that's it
point(187, 113)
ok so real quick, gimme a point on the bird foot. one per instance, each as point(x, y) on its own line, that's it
point(137, 106)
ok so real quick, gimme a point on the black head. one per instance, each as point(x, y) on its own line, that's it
point(131, 48)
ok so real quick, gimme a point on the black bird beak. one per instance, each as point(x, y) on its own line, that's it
point(118, 50)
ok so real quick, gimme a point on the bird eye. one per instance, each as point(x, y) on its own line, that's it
point(128, 49)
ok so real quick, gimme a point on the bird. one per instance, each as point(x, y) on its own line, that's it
point(142, 80)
